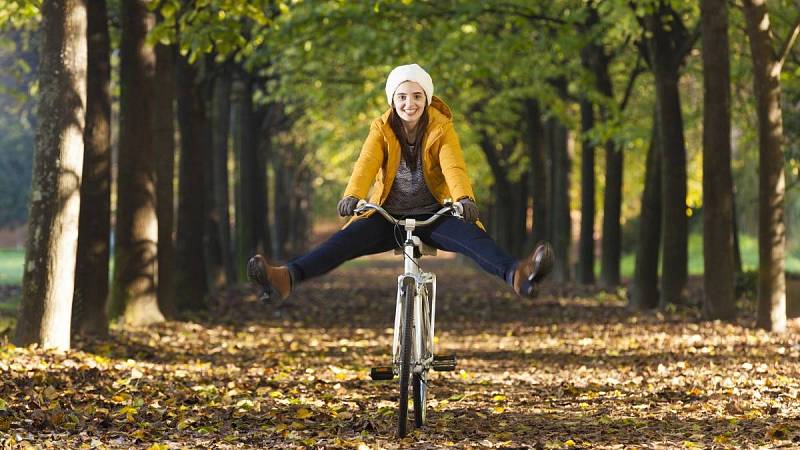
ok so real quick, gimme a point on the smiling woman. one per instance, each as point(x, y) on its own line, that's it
point(412, 164)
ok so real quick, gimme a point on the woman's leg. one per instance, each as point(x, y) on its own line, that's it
point(362, 237)
point(454, 235)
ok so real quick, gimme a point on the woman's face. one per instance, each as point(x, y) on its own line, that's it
point(409, 101)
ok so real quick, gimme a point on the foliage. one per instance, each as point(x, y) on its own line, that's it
point(572, 369)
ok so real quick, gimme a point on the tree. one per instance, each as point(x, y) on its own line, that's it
point(49, 273)
point(767, 66)
point(644, 286)
point(135, 258)
point(164, 143)
point(91, 271)
point(585, 269)
point(666, 45)
point(191, 284)
point(718, 276)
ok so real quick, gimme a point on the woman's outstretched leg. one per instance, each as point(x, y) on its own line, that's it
point(455, 235)
point(362, 237)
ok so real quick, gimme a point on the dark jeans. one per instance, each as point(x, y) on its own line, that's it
point(375, 235)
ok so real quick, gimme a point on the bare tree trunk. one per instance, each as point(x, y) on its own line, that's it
point(135, 256)
point(190, 277)
point(667, 47)
point(164, 141)
point(220, 118)
point(49, 278)
point(585, 269)
point(644, 286)
point(560, 223)
point(246, 177)
point(611, 245)
point(771, 187)
point(91, 271)
point(540, 184)
point(718, 275)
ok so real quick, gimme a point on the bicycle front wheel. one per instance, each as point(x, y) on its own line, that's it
point(407, 315)
point(420, 387)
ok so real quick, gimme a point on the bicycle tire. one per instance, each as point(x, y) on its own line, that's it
point(420, 389)
point(405, 355)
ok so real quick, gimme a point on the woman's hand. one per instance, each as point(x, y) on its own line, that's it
point(347, 206)
point(470, 209)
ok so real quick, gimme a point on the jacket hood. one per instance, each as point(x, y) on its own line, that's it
point(439, 113)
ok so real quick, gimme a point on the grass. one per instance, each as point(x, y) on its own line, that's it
point(11, 263)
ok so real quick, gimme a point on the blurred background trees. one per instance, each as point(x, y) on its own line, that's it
point(582, 123)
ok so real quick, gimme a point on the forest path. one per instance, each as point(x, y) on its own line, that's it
point(570, 369)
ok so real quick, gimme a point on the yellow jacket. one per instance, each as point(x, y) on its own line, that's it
point(442, 160)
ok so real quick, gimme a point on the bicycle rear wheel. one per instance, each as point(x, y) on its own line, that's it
point(405, 353)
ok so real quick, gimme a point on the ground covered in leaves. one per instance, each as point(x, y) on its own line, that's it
point(572, 369)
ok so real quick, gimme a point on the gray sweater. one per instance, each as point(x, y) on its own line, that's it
point(410, 194)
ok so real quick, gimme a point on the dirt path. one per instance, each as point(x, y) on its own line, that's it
point(571, 369)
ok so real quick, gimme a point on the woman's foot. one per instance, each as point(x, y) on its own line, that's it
point(532, 270)
point(272, 280)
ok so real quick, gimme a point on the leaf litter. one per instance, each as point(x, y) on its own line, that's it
point(571, 369)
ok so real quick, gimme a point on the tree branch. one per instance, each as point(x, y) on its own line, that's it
point(789, 42)
point(638, 69)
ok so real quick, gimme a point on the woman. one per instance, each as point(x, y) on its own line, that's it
point(413, 155)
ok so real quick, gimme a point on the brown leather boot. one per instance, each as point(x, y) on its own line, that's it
point(533, 269)
point(273, 280)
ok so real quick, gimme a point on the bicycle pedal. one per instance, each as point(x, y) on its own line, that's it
point(444, 363)
point(381, 373)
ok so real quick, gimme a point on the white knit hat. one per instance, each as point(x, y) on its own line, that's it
point(410, 72)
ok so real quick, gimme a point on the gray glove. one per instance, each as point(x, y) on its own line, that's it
point(347, 206)
point(470, 209)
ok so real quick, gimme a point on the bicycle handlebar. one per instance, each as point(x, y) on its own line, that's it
point(456, 208)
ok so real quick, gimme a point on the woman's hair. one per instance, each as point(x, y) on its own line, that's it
point(400, 131)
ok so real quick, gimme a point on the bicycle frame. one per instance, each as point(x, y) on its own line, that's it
point(425, 299)
point(424, 304)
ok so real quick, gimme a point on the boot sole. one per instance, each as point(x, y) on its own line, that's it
point(542, 266)
point(257, 274)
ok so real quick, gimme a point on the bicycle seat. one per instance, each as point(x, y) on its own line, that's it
point(424, 248)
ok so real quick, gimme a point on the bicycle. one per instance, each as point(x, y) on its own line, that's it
point(412, 344)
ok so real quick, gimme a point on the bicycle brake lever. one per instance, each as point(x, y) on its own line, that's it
point(360, 207)
point(458, 210)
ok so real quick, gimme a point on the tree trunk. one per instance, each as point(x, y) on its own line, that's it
point(611, 246)
point(91, 269)
point(560, 223)
point(539, 181)
point(135, 256)
point(718, 275)
point(771, 230)
point(585, 269)
point(262, 143)
point(499, 224)
point(666, 50)
point(190, 277)
point(246, 177)
point(737, 250)
point(220, 118)
point(283, 206)
point(212, 240)
point(164, 141)
point(644, 286)
point(49, 278)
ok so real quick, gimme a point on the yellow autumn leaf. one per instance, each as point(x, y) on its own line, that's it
point(158, 447)
point(303, 413)
point(498, 410)
point(569, 443)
